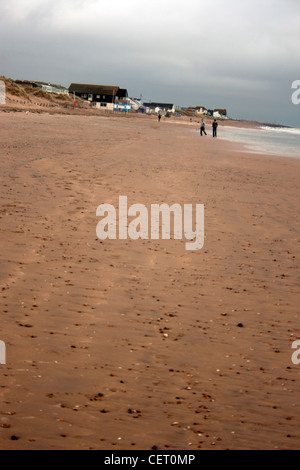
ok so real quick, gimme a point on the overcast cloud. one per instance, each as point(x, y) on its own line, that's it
point(235, 54)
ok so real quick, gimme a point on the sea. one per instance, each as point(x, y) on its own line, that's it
point(281, 141)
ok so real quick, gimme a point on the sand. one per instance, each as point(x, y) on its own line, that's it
point(123, 344)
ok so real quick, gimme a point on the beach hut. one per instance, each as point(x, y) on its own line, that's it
point(122, 107)
point(144, 109)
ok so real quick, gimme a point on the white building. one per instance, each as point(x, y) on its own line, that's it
point(160, 107)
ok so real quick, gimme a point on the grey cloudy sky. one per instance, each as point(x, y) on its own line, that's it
point(236, 54)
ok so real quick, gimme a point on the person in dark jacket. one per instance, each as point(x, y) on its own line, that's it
point(215, 126)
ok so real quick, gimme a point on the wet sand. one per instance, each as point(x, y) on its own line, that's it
point(123, 344)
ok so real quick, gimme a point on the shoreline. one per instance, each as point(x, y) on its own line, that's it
point(262, 146)
point(45, 108)
point(123, 344)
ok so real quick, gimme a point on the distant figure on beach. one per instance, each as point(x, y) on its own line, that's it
point(159, 117)
point(202, 128)
point(215, 126)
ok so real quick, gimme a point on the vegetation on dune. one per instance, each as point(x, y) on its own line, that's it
point(185, 112)
point(39, 93)
point(14, 89)
point(64, 98)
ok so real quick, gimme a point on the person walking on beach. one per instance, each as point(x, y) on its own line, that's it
point(202, 128)
point(215, 126)
point(159, 117)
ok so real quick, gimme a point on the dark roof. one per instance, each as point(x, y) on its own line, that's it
point(221, 111)
point(122, 93)
point(158, 105)
point(93, 89)
point(24, 82)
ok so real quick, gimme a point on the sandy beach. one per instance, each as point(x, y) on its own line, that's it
point(123, 344)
